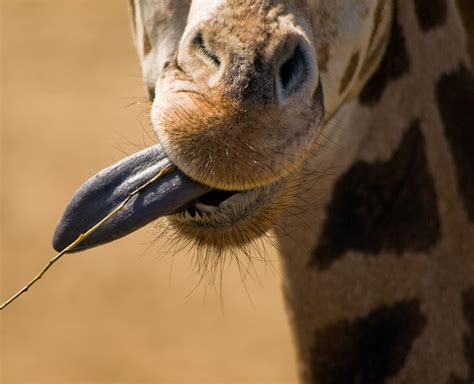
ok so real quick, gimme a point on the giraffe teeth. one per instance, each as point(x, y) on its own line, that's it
point(205, 208)
point(230, 201)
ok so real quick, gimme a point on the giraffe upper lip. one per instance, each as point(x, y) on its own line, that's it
point(99, 195)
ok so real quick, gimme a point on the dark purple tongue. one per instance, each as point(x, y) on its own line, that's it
point(99, 195)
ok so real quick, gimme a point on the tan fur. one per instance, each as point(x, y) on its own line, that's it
point(223, 140)
point(273, 146)
point(219, 143)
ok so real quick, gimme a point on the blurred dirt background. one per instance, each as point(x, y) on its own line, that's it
point(125, 312)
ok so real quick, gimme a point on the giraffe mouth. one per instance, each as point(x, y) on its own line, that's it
point(220, 209)
point(105, 191)
point(174, 195)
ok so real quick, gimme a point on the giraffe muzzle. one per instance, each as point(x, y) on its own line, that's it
point(102, 193)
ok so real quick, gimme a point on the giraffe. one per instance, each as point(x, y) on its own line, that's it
point(346, 129)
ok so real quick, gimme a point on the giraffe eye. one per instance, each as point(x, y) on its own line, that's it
point(199, 44)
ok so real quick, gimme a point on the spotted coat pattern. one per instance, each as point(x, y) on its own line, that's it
point(381, 209)
point(367, 350)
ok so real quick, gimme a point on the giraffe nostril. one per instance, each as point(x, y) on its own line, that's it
point(293, 71)
point(200, 46)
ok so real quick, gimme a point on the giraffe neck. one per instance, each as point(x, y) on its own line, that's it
point(380, 284)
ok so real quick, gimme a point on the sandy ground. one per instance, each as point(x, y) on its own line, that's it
point(125, 312)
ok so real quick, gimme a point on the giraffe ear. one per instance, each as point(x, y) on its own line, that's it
point(157, 28)
point(143, 46)
point(140, 33)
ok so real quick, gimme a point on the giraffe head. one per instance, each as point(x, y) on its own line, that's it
point(237, 108)
point(237, 97)
point(239, 103)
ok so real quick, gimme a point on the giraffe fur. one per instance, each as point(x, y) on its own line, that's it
point(349, 283)
point(376, 226)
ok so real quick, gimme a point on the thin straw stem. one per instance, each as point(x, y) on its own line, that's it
point(86, 234)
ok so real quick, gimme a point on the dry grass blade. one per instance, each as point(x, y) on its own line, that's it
point(86, 234)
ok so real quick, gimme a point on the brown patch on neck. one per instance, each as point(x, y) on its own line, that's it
point(468, 309)
point(383, 206)
point(372, 58)
point(431, 14)
point(467, 300)
point(367, 350)
point(350, 72)
point(395, 63)
point(455, 94)
point(455, 379)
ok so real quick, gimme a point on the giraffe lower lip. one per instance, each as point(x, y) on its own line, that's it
point(232, 210)
point(99, 195)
